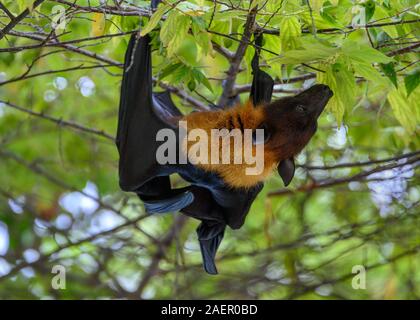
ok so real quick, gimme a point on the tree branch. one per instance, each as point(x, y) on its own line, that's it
point(237, 58)
point(247, 87)
point(60, 122)
point(25, 76)
point(164, 244)
point(19, 18)
point(54, 43)
point(334, 182)
point(403, 50)
point(352, 28)
point(360, 164)
point(9, 14)
point(113, 10)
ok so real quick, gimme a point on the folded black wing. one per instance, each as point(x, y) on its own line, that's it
point(138, 124)
point(141, 115)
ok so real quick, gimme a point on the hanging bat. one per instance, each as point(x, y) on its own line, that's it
point(218, 195)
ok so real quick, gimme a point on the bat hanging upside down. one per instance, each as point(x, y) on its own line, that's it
point(219, 194)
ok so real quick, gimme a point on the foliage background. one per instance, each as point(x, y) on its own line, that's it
point(354, 200)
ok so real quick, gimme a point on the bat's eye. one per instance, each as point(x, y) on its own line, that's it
point(260, 137)
point(300, 108)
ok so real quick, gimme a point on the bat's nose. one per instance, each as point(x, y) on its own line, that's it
point(328, 92)
point(323, 89)
point(317, 98)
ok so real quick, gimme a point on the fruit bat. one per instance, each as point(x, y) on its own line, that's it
point(219, 195)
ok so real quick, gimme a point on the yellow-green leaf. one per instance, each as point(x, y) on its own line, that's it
point(363, 53)
point(174, 31)
point(25, 4)
point(154, 19)
point(312, 51)
point(290, 31)
point(201, 36)
point(412, 80)
point(98, 24)
point(255, 3)
point(405, 108)
point(342, 82)
point(370, 73)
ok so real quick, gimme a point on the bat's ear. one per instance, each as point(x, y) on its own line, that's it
point(286, 169)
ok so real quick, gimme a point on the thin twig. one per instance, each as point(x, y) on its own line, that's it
point(334, 182)
point(17, 19)
point(70, 124)
point(352, 28)
point(235, 63)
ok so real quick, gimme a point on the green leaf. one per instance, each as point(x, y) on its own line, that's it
point(186, 50)
point(174, 31)
point(154, 19)
point(201, 78)
point(370, 73)
point(222, 27)
point(382, 13)
point(200, 34)
point(169, 70)
point(327, 12)
point(389, 71)
point(369, 9)
point(191, 85)
point(25, 4)
point(312, 51)
point(341, 80)
point(411, 81)
point(290, 31)
point(363, 53)
point(404, 108)
point(255, 3)
point(179, 74)
point(192, 9)
point(98, 24)
point(328, 15)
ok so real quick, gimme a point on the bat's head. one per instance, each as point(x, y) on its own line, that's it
point(289, 123)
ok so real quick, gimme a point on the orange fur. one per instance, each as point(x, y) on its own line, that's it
point(233, 174)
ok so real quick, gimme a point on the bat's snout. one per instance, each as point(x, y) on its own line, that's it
point(316, 98)
point(325, 91)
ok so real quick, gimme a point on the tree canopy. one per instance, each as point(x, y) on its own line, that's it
point(353, 206)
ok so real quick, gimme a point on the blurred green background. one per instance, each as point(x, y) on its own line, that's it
point(354, 200)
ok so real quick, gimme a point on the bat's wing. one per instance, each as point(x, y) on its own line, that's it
point(142, 114)
point(138, 124)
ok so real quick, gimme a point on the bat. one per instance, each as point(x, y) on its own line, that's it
point(218, 195)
